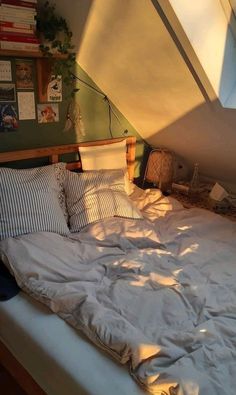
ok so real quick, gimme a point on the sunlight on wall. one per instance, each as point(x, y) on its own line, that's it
point(120, 49)
point(125, 48)
point(206, 26)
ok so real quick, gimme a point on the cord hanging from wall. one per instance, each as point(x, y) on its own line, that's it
point(111, 111)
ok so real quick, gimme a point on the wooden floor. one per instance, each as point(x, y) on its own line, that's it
point(7, 384)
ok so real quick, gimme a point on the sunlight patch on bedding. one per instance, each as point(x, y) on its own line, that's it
point(140, 282)
point(185, 227)
point(163, 280)
point(190, 249)
point(145, 351)
point(152, 279)
point(177, 271)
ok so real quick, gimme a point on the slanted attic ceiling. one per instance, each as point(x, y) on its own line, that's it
point(126, 48)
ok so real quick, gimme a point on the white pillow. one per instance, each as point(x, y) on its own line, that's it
point(92, 196)
point(109, 156)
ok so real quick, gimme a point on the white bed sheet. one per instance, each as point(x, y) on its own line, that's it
point(57, 356)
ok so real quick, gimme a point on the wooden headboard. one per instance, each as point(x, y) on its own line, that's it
point(53, 153)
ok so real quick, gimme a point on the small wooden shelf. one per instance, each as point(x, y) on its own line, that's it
point(29, 54)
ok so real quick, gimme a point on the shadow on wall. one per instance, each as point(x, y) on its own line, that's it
point(206, 135)
point(227, 92)
point(73, 8)
point(81, 8)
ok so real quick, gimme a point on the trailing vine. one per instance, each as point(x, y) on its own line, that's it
point(56, 37)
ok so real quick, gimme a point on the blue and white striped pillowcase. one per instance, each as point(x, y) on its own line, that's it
point(29, 202)
point(92, 196)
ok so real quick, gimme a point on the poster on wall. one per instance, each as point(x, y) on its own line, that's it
point(48, 113)
point(8, 118)
point(26, 105)
point(7, 92)
point(54, 89)
point(24, 74)
point(5, 70)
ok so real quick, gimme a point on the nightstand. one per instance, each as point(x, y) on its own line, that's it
point(202, 201)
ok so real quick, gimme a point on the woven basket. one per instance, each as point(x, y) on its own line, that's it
point(159, 169)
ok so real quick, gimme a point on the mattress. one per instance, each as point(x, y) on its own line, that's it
point(59, 358)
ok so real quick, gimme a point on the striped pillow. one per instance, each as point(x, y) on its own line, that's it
point(92, 196)
point(29, 202)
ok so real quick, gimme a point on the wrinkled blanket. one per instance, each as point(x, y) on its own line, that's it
point(158, 294)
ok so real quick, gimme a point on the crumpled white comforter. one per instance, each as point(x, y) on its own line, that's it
point(159, 294)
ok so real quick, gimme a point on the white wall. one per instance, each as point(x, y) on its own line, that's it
point(126, 49)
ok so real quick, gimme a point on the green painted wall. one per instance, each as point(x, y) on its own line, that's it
point(94, 110)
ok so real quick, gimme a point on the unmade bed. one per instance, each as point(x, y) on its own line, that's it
point(152, 288)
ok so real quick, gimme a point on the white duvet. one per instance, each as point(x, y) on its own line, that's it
point(158, 294)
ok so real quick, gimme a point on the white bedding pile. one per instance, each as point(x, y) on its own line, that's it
point(158, 294)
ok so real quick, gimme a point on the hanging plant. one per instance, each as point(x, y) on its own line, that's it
point(56, 38)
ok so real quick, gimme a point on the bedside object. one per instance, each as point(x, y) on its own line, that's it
point(203, 201)
point(218, 193)
point(181, 188)
point(194, 187)
point(159, 168)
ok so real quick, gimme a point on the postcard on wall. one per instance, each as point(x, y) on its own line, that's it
point(26, 105)
point(5, 70)
point(7, 92)
point(48, 113)
point(8, 118)
point(24, 74)
point(54, 89)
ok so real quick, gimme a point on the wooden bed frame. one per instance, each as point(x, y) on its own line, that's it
point(54, 153)
point(8, 361)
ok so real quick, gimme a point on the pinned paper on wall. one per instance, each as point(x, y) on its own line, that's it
point(54, 90)
point(5, 70)
point(8, 118)
point(48, 113)
point(7, 92)
point(26, 105)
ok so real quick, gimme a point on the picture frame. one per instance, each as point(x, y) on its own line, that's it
point(8, 118)
point(48, 113)
point(7, 92)
point(24, 74)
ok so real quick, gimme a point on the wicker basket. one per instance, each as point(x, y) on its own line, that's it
point(159, 169)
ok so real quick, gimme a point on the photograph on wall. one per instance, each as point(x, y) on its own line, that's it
point(48, 113)
point(7, 92)
point(8, 118)
point(5, 70)
point(54, 89)
point(24, 74)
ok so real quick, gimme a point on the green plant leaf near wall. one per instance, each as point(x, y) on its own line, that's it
point(94, 111)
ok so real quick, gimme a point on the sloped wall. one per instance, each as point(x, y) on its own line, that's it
point(94, 110)
point(126, 49)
